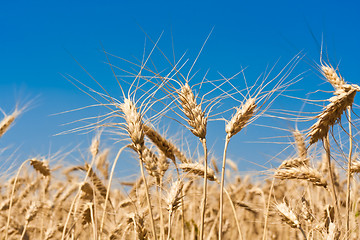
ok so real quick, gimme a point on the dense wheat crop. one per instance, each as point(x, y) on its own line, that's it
point(186, 193)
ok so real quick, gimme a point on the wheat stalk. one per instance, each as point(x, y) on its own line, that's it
point(348, 180)
point(238, 121)
point(197, 122)
point(134, 128)
point(343, 99)
point(173, 199)
point(199, 169)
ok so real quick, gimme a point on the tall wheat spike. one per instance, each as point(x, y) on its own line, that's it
point(289, 217)
point(238, 121)
point(8, 120)
point(192, 110)
point(303, 173)
point(198, 123)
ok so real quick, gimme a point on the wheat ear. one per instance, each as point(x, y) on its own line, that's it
point(331, 75)
point(301, 159)
point(6, 122)
point(331, 115)
point(355, 167)
point(139, 226)
point(341, 87)
point(333, 233)
point(302, 173)
point(94, 147)
point(40, 166)
point(198, 169)
point(173, 201)
point(196, 117)
point(134, 125)
point(289, 217)
point(102, 163)
point(241, 117)
point(344, 98)
point(300, 144)
point(163, 144)
point(29, 216)
point(294, 162)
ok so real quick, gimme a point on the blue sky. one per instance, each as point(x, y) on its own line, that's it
point(39, 38)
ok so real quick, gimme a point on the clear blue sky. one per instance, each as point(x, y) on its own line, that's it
point(37, 38)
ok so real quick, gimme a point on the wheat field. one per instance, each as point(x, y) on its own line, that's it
point(182, 193)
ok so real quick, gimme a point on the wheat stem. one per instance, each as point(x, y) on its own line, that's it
point(328, 159)
point(267, 210)
point(227, 140)
point(24, 231)
point(235, 216)
point(303, 233)
point(147, 196)
point(162, 230)
point(169, 226)
point(109, 186)
point(64, 235)
point(182, 206)
point(349, 176)
point(203, 205)
point(91, 205)
point(213, 227)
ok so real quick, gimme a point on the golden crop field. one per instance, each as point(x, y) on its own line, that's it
point(182, 193)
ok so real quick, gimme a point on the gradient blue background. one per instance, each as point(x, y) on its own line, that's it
point(37, 38)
